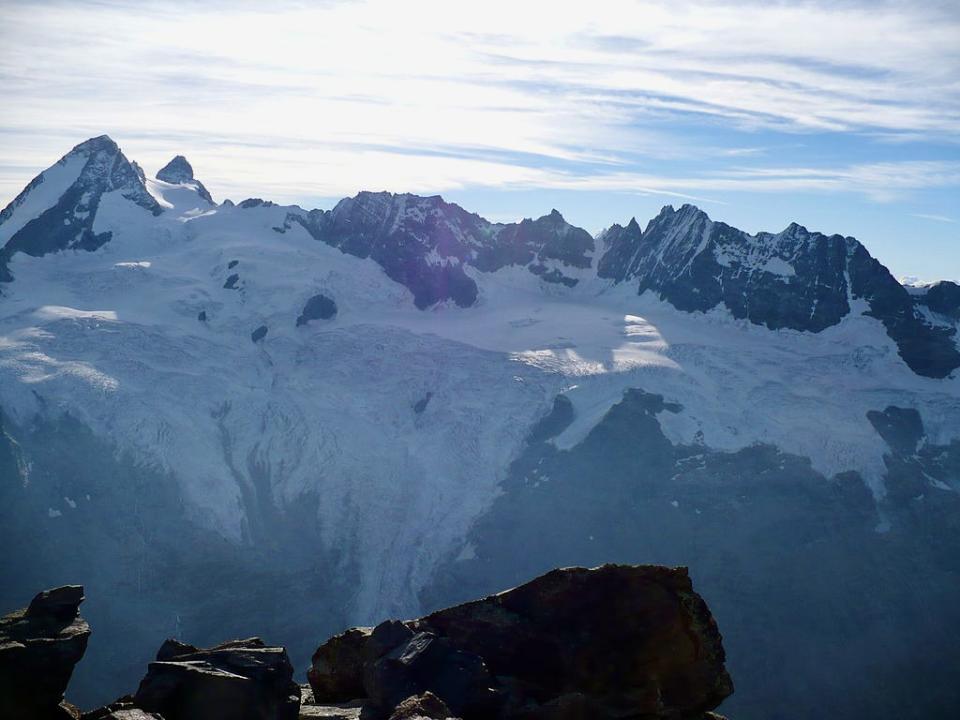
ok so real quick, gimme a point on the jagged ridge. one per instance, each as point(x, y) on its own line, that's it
point(795, 279)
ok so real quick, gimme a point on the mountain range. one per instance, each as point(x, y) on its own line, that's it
point(231, 416)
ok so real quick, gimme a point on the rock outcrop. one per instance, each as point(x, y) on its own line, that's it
point(238, 680)
point(318, 307)
point(179, 172)
point(39, 647)
point(615, 641)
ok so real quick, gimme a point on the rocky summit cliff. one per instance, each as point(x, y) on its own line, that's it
point(223, 415)
point(606, 643)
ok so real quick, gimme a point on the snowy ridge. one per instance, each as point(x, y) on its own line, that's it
point(148, 341)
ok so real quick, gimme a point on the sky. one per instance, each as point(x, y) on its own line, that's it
point(842, 116)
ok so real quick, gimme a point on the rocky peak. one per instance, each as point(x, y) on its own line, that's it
point(622, 246)
point(99, 144)
point(424, 242)
point(179, 171)
point(941, 297)
point(794, 279)
point(79, 179)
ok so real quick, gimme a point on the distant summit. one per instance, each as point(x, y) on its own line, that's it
point(179, 172)
point(57, 209)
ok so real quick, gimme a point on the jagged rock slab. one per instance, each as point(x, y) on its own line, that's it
point(39, 647)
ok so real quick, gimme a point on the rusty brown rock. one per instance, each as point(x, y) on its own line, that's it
point(631, 640)
point(610, 642)
point(426, 706)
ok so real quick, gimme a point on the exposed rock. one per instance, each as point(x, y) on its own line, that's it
point(422, 403)
point(944, 298)
point(421, 707)
point(319, 307)
point(793, 279)
point(231, 282)
point(255, 202)
point(424, 243)
point(122, 709)
point(259, 334)
point(180, 172)
point(336, 670)
point(202, 316)
point(238, 680)
point(900, 428)
point(616, 641)
point(425, 662)
point(39, 647)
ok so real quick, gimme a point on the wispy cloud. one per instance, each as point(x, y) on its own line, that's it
point(673, 98)
point(937, 218)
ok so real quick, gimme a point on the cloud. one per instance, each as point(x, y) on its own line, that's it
point(652, 97)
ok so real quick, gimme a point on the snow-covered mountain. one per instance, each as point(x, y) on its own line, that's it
point(252, 415)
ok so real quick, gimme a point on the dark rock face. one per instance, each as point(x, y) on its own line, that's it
point(421, 404)
point(39, 647)
point(623, 244)
point(900, 428)
point(255, 202)
point(425, 243)
point(427, 662)
point(259, 334)
point(239, 680)
point(944, 298)
point(795, 279)
point(336, 669)
point(231, 282)
point(319, 307)
point(928, 350)
point(179, 172)
point(616, 641)
point(69, 223)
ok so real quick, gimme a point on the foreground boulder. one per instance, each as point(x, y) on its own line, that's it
point(616, 641)
point(39, 647)
point(239, 680)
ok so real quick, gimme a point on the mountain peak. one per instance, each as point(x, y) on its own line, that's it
point(178, 170)
point(100, 143)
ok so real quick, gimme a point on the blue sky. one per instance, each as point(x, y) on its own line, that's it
point(842, 116)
